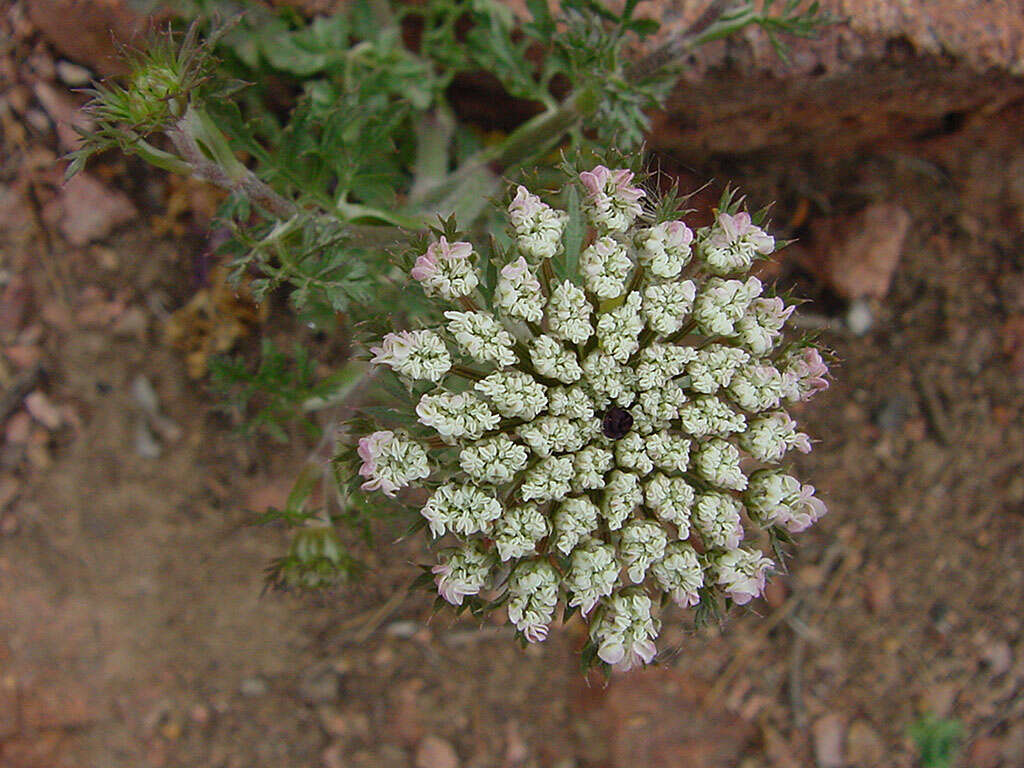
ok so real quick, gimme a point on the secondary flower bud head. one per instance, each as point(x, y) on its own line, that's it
point(391, 462)
point(665, 249)
point(601, 439)
point(741, 574)
point(679, 574)
point(605, 265)
point(803, 374)
point(518, 294)
point(466, 572)
point(416, 354)
point(732, 244)
point(537, 226)
point(624, 631)
point(533, 590)
point(446, 270)
point(775, 498)
point(612, 202)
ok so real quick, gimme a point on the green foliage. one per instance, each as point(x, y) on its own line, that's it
point(937, 740)
point(272, 395)
point(334, 138)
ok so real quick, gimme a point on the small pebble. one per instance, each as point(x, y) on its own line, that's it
point(253, 686)
point(859, 317)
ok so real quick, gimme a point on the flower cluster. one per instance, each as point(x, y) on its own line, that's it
point(609, 439)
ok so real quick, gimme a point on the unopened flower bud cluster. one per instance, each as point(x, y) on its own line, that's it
point(602, 441)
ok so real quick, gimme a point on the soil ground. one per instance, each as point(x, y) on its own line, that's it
point(135, 631)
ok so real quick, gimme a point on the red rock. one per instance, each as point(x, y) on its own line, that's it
point(629, 718)
point(24, 356)
point(86, 210)
point(864, 747)
point(985, 752)
point(860, 253)
point(19, 428)
point(89, 31)
point(828, 734)
point(43, 411)
point(878, 592)
point(435, 752)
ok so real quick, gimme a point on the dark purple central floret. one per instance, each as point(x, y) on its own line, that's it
point(616, 422)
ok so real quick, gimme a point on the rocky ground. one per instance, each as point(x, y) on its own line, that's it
point(135, 629)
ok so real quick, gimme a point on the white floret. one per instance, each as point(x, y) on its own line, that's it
point(609, 380)
point(515, 395)
point(591, 464)
point(660, 363)
point(668, 451)
point(714, 366)
point(624, 631)
point(741, 574)
point(622, 494)
point(538, 227)
point(679, 574)
point(518, 292)
point(769, 437)
point(461, 509)
point(593, 574)
point(671, 499)
point(572, 401)
point(574, 520)
point(667, 306)
point(630, 453)
point(716, 516)
point(482, 337)
point(554, 361)
point(641, 543)
point(533, 595)
point(456, 415)
point(618, 330)
point(494, 460)
point(416, 354)
point(517, 532)
point(706, 415)
point(549, 480)
point(721, 303)
point(605, 265)
point(554, 434)
point(756, 387)
point(466, 572)
point(665, 249)
point(569, 313)
point(718, 462)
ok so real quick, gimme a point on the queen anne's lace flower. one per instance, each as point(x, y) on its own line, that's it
point(679, 574)
point(624, 631)
point(537, 226)
point(665, 249)
point(611, 200)
point(741, 574)
point(391, 462)
point(482, 337)
point(723, 303)
point(466, 572)
point(518, 293)
point(416, 354)
point(599, 439)
point(667, 305)
point(462, 509)
point(446, 270)
point(605, 264)
point(732, 244)
point(773, 497)
point(533, 590)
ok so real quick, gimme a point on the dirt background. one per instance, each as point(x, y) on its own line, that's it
point(133, 626)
